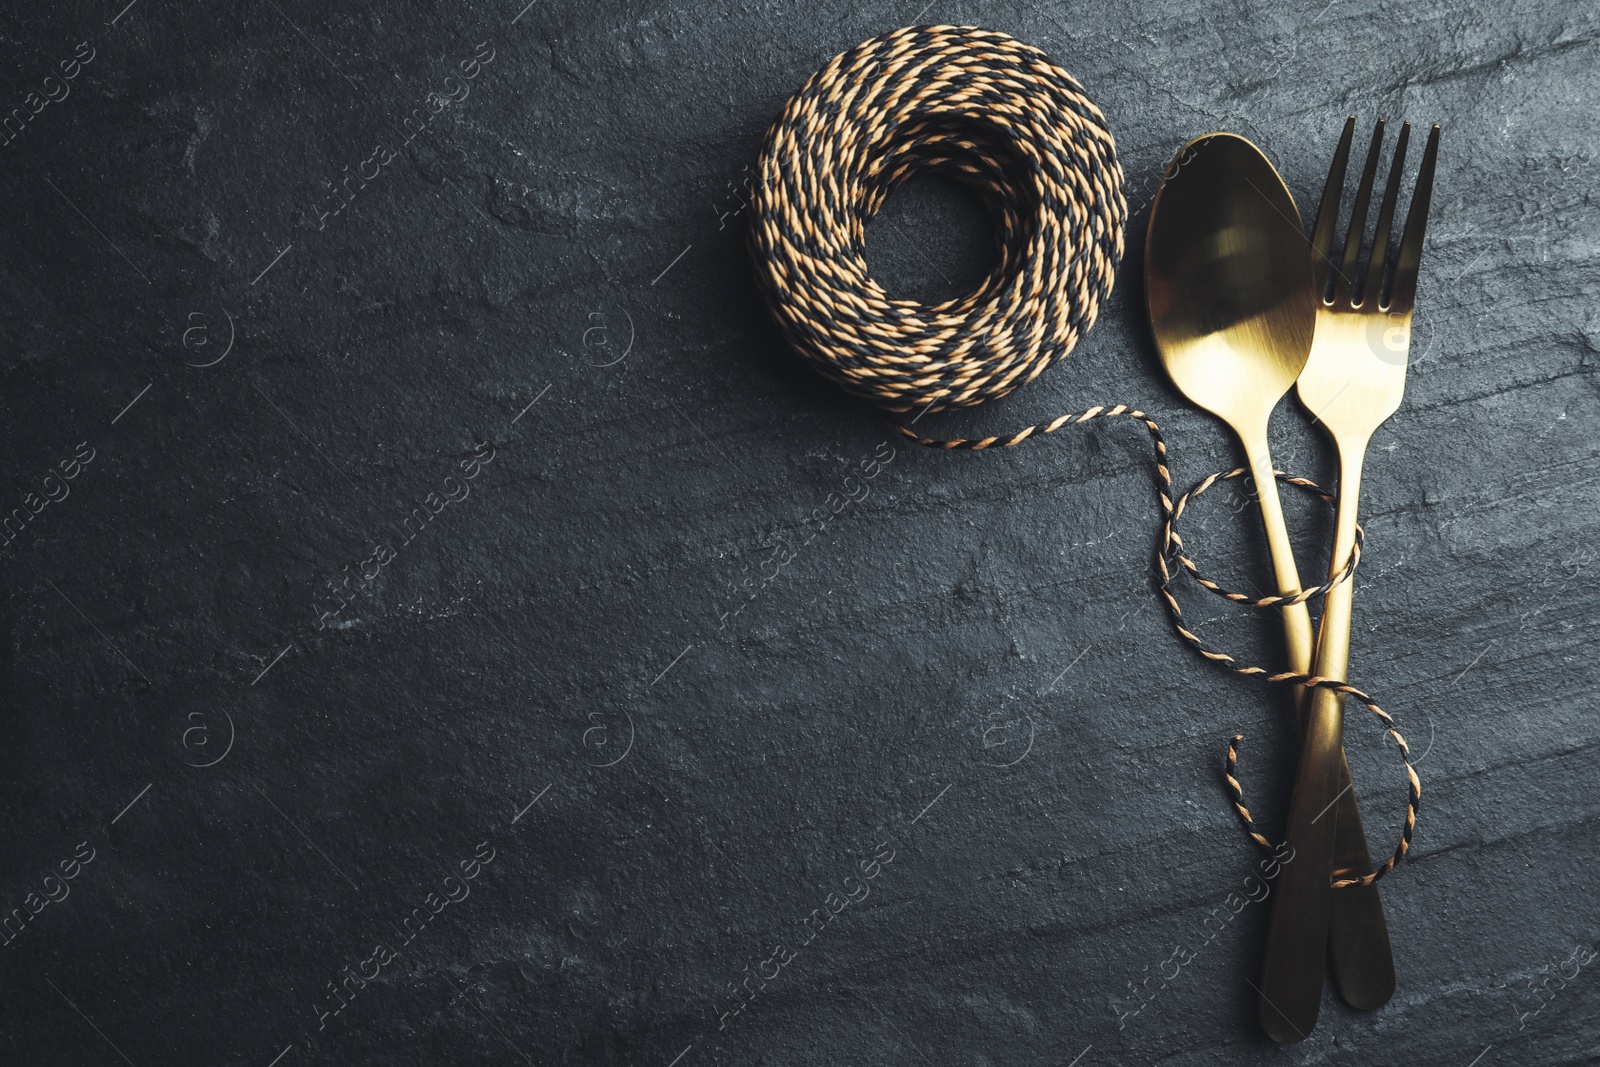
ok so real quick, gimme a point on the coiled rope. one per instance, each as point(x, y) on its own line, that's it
point(999, 116)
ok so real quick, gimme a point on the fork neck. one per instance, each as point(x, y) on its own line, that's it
point(1332, 658)
point(1352, 454)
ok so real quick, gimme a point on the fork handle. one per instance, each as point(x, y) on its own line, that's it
point(1358, 932)
point(1297, 939)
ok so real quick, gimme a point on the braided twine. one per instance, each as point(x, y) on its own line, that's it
point(999, 116)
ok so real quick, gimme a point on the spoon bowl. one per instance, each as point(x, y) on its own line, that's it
point(1228, 282)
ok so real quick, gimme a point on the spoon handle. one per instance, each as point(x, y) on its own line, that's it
point(1358, 932)
point(1296, 617)
point(1297, 939)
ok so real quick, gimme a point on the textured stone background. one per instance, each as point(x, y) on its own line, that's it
point(565, 615)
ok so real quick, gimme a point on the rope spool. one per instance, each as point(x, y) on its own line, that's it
point(989, 111)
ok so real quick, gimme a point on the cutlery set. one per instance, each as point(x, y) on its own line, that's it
point(1243, 306)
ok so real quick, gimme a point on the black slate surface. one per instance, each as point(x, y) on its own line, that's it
point(538, 689)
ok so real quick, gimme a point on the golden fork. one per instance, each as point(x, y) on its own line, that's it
point(1352, 382)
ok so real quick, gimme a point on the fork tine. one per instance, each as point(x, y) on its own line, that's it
point(1403, 294)
point(1350, 263)
point(1377, 266)
point(1328, 213)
